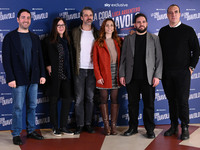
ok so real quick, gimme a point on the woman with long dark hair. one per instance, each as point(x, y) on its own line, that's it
point(106, 57)
point(58, 62)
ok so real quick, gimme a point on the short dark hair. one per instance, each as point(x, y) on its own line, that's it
point(172, 6)
point(86, 8)
point(21, 11)
point(137, 15)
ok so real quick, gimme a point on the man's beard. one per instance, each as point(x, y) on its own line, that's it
point(141, 31)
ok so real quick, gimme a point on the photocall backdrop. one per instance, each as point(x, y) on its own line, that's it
point(122, 11)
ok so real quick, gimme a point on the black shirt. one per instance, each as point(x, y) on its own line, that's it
point(139, 68)
point(26, 44)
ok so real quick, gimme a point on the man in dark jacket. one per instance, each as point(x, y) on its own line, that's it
point(140, 70)
point(24, 68)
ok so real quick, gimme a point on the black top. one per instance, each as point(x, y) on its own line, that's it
point(180, 47)
point(58, 55)
point(64, 63)
point(139, 68)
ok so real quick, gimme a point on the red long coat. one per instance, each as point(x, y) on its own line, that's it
point(101, 62)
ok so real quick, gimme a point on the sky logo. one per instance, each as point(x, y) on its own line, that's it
point(115, 5)
point(106, 5)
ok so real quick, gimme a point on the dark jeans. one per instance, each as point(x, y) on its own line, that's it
point(176, 85)
point(84, 85)
point(134, 88)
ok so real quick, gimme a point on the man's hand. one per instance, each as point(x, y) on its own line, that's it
point(122, 81)
point(42, 80)
point(12, 84)
point(155, 81)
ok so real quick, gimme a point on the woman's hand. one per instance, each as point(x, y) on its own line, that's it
point(100, 81)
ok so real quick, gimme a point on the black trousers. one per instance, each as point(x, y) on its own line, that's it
point(66, 99)
point(176, 85)
point(134, 89)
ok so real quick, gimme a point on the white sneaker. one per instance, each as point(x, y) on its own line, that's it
point(56, 132)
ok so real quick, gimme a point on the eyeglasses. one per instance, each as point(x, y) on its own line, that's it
point(60, 25)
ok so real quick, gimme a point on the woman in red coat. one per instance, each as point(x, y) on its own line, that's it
point(106, 57)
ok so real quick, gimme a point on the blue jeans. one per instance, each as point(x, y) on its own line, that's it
point(20, 94)
point(85, 84)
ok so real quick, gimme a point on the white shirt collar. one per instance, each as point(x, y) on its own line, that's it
point(176, 25)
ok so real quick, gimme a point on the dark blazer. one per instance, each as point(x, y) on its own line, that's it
point(13, 59)
point(51, 58)
point(154, 61)
point(101, 62)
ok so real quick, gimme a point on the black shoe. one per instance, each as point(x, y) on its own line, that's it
point(185, 134)
point(171, 131)
point(56, 132)
point(89, 129)
point(66, 131)
point(150, 134)
point(78, 130)
point(17, 140)
point(35, 135)
point(130, 131)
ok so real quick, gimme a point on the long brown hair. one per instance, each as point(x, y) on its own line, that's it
point(54, 33)
point(102, 33)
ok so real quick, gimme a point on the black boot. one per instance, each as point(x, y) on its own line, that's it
point(185, 133)
point(171, 131)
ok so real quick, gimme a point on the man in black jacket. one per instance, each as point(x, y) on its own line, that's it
point(24, 68)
